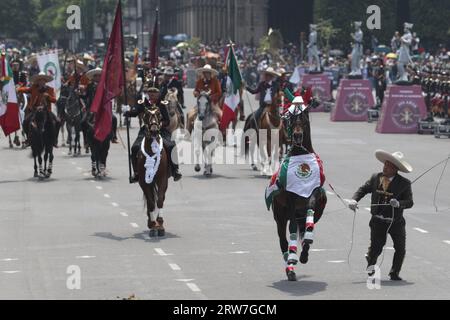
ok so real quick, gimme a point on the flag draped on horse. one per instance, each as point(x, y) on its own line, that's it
point(298, 174)
point(111, 82)
point(9, 108)
point(232, 96)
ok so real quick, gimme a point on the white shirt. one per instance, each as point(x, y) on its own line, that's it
point(268, 96)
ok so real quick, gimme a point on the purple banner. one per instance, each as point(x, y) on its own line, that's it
point(402, 108)
point(320, 85)
point(353, 99)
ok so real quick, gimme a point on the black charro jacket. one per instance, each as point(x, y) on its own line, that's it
point(399, 188)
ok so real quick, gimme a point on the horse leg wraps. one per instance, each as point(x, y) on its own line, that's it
point(153, 216)
point(293, 243)
point(160, 213)
point(309, 227)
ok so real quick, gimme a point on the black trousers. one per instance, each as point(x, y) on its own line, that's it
point(378, 237)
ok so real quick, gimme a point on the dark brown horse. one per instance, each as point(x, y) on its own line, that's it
point(153, 170)
point(301, 213)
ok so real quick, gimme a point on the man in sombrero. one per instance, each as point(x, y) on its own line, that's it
point(267, 90)
point(208, 82)
point(391, 194)
point(41, 95)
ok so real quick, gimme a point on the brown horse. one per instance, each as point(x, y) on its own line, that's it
point(153, 170)
point(270, 120)
point(174, 113)
point(301, 213)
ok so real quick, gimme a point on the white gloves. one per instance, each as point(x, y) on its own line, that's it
point(394, 203)
point(353, 205)
point(125, 108)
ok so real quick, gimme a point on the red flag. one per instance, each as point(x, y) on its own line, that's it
point(112, 80)
point(154, 44)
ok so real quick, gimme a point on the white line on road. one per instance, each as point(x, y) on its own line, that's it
point(174, 267)
point(124, 214)
point(114, 204)
point(99, 188)
point(107, 195)
point(11, 272)
point(193, 287)
point(79, 168)
point(161, 252)
point(240, 252)
point(318, 250)
point(86, 174)
point(134, 225)
point(9, 259)
point(421, 230)
point(184, 280)
point(447, 241)
point(85, 257)
point(336, 261)
point(73, 162)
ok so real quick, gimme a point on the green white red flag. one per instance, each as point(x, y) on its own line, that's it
point(232, 96)
point(9, 108)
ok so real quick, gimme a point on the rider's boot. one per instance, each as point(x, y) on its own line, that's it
point(17, 141)
point(176, 172)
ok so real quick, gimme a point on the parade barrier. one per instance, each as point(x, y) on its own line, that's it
point(354, 98)
point(402, 109)
point(320, 85)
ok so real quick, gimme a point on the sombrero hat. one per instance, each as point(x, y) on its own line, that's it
point(88, 57)
point(94, 72)
point(80, 65)
point(41, 76)
point(207, 68)
point(396, 158)
point(272, 72)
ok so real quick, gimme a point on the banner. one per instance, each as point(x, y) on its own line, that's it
point(49, 64)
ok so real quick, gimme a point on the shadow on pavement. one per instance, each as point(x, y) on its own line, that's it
point(300, 287)
point(139, 236)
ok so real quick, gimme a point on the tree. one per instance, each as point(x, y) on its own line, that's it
point(327, 32)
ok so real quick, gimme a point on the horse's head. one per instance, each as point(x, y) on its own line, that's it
point(152, 121)
point(298, 125)
point(203, 104)
point(40, 117)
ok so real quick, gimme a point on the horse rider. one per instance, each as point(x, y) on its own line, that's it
point(267, 90)
point(391, 194)
point(170, 81)
point(41, 95)
point(208, 82)
point(151, 97)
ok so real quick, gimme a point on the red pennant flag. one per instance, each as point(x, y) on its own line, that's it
point(112, 80)
point(154, 44)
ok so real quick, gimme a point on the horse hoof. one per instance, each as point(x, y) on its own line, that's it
point(254, 167)
point(153, 233)
point(161, 233)
point(36, 175)
point(291, 276)
point(197, 168)
point(305, 254)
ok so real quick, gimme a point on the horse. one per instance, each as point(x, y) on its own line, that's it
point(153, 171)
point(42, 138)
point(99, 150)
point(302, 213)
point(73, 116)
point(270, 120)
point(205, 119)
point(176, 118)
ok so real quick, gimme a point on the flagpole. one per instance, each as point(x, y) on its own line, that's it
point(126, 96)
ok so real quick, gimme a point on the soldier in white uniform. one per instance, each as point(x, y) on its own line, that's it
point(357, 52)
point(404, 57)
point(313, 51)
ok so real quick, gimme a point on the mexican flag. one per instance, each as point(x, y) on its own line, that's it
point(9, 108)
point(232, 96)
point(298, 174)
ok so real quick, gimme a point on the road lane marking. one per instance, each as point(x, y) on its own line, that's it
point(193, 287)
point(9, 259)
point(73, 162)
point(86, 174)
point(318, 250)
point(85, 257)
point(240, 252)
point(174, 267)
point(390, 248)
point(79, 168)
point(184, 280)
point(124, 214)
point(447, 241)
point(11, 272)
point(421, 230)
point(114, 204)
point(134, 225)
point(99, 188)
point(336, 261)
point(107, 196)
point(161, 252)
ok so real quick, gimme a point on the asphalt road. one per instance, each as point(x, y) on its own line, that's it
point(221, 241)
